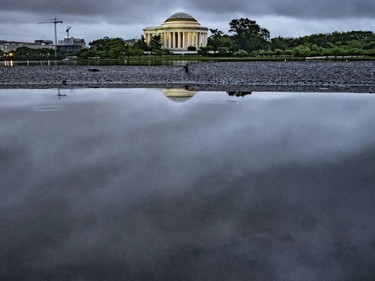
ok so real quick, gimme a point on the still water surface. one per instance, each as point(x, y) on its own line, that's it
point(149, 184)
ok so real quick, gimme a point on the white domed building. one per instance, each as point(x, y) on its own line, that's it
point(179, 32)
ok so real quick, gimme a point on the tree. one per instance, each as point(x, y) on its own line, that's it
point(279, 43)
point(240, 53)
point(216, 32)
point(218, 40)
point(301, 51)
point(112, 48)
point(223, 51)
point(86, 53)
point(141, 44)
point(156, 42)
point(279, 52)
point(214, 39)
point(248, 35)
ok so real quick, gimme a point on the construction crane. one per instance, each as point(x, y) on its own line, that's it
point(67, 31)
point(54, 21)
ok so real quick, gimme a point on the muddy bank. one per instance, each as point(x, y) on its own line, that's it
point(255, 76)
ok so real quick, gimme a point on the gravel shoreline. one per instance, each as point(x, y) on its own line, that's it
point(249, 76)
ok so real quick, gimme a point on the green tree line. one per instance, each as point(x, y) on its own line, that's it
point(245, 38)
point(117, 48)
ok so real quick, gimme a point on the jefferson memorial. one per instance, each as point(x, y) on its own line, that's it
point(179, 32)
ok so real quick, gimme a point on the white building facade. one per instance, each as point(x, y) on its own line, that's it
point(179, 32)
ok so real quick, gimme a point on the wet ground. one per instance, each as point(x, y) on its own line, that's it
point(250, 76)
point(149, 184)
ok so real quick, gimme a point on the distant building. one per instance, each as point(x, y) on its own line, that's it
point(130, 42)
point(44, 42)
point(179, 32)
point(71, 45)
point(8, 46)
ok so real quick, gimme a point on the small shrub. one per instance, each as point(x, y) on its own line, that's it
point(241, 53)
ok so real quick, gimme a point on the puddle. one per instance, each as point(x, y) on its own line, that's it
point(160, 184)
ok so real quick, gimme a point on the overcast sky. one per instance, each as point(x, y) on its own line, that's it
point(126, 18)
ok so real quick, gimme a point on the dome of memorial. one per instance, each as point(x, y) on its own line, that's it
point(180, 17)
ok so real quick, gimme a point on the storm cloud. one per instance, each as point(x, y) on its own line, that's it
point(146, 9)
point(127, 18)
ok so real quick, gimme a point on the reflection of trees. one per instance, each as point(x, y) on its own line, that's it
point(238, 93)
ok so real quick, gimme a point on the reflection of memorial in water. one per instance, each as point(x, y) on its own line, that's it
point(178, 94)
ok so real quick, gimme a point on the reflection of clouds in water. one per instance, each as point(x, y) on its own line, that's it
point(128, 187)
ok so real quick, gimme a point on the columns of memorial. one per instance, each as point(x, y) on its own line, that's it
point(180, 39)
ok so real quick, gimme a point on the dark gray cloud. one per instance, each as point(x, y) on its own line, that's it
point(127, 18)
point(147, 9)
point(128, 185)
point(298, 9)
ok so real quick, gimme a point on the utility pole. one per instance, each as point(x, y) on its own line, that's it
point(54, 21)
